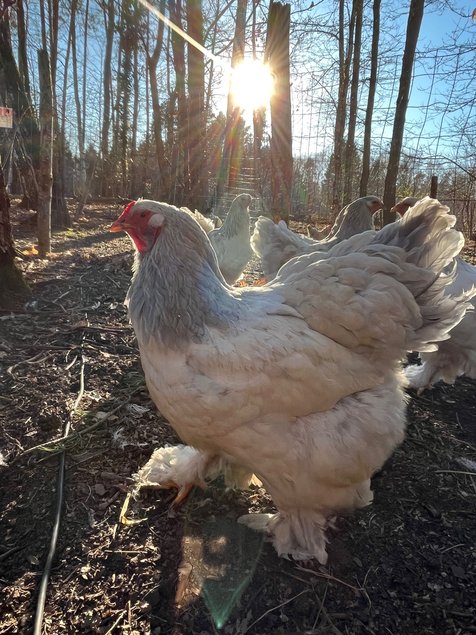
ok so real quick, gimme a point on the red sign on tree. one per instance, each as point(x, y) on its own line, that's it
point(6, 117)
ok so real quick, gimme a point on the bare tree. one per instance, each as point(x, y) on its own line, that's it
point(354, 89)
point(277, 54)
point(364, 179)
point(197, 168)
point(161, 187)
point(231, 139)
point(22, 48)
point(344, 69)
point(178, 163)
point(108, 11)
point(45, 176)
point(59, 211)
point(415, 17)
point(11, 278)
point(27, 132)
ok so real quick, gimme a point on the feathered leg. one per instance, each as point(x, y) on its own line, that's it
point(183, 467)
point(180, 467)
point(299, 534)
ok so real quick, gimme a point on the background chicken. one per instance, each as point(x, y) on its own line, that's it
point(276, 244)
point(457, 355)
point(290, 381)
point(231, 241)
point(205, 223)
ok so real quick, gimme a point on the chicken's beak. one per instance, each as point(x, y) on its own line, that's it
point(118, 226)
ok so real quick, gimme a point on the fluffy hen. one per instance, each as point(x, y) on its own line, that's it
point(231, 241)
point(290, 381)
point(457, 355)
point(276, 244)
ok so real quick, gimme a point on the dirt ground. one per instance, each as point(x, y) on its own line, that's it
point(405, 565)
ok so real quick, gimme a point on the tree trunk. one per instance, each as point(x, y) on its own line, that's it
point(59, 211)
point(354, 90)
point(178, 48)
point(364, 179)
point(22, 47)
point(77, 100)
point(11, 278)
point(231, 139)
point(134, 187)
point(107, 95)
point(162, 182)
point(415, 17)
point(27, 131)
point(344, 67)
point(277, 55)
point(197, 166)
point(45, 178)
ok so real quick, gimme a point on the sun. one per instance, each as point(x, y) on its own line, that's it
point(251, 84)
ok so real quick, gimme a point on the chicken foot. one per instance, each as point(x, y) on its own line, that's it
point(178, 467)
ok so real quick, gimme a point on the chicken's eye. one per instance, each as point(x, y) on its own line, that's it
point(143, 215)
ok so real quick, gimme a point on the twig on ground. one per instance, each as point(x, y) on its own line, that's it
point(121, 614)
point(5, 554)
point(273, 608)
point(71, 437)
point(322, 610)
point(328, 576)
point(37, 359)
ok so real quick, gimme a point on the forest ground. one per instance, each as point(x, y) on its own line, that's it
point(404, 565)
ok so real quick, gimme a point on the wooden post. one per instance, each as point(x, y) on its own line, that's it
point(434, 187)
point(45, 177)
point(277, 56)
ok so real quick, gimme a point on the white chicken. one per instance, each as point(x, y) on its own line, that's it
point(276, 244)
point(231, 241)
point(290, 381)
point(457, 355)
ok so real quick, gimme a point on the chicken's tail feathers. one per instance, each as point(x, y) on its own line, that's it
point(426, 233)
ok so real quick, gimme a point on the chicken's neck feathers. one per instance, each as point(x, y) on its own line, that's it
point(355, 220)
point(175, 299)
point(237, 221)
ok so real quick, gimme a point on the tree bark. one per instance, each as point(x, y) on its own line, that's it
point(354, 90)
point(344, 67)
point(231, 138)
point(364, 179)
point(415, 17)
point(22, 47)
point(77, 100)
point(162, 181)
point(197, 166)
point(126, 42)
point(27, 126)
point(59, 211)
point(277, 55)
point(178, 49)
point(11, 278)
point(108, 9)
point(45, 178)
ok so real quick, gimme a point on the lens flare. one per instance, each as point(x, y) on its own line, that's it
point(251, 84)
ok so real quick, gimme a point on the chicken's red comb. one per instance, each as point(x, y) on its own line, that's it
point(125, 211)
